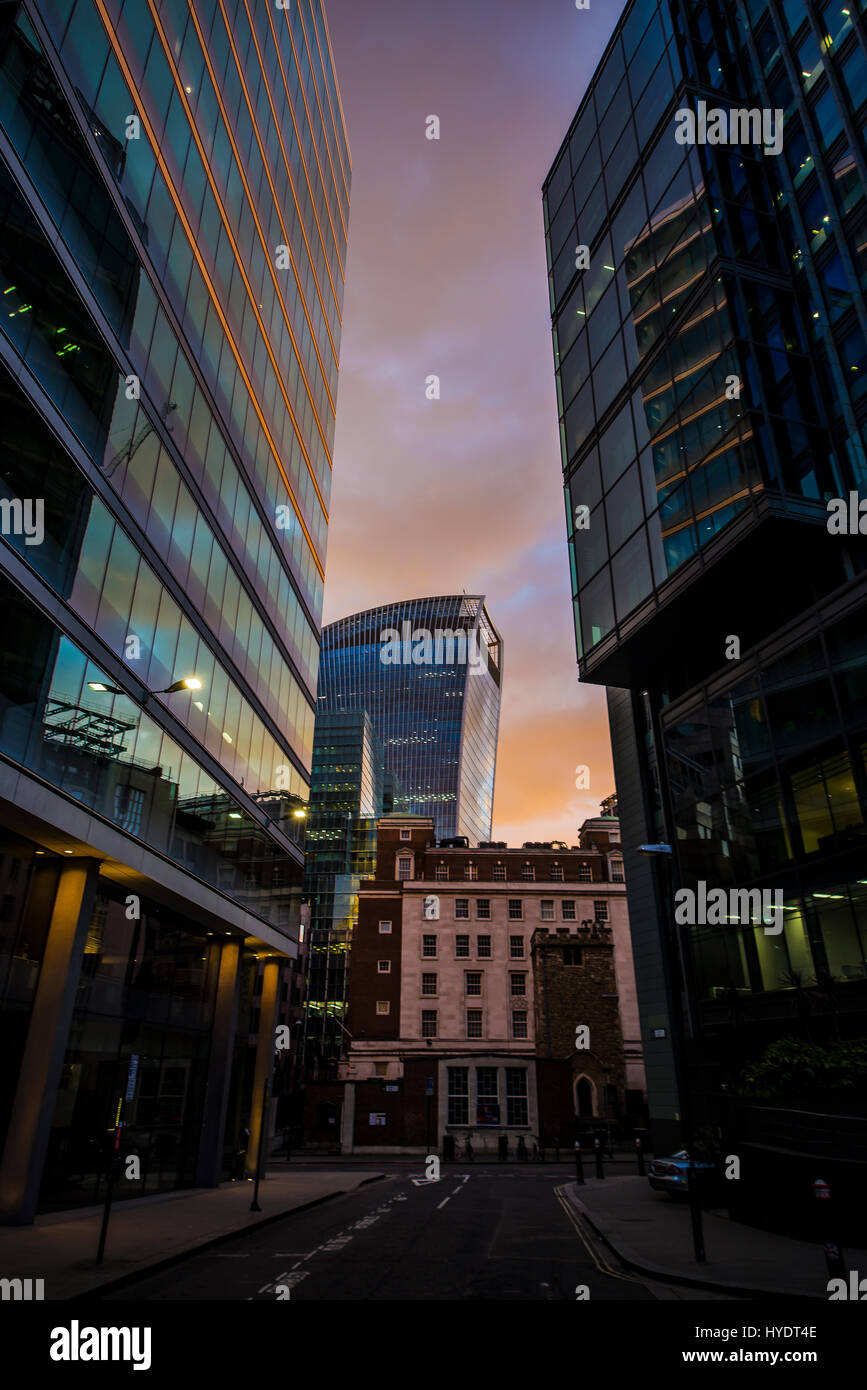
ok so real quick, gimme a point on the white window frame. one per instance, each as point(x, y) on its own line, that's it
point(481, 1025)
point(383, 967)
point(383, 1007)
point(385, 928)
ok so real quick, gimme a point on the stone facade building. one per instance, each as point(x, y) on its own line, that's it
point(446, 1019)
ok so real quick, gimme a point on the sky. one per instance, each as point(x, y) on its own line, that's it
point(446, 276)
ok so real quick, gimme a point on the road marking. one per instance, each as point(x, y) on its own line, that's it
point(603, 1267)
point(443, 1202)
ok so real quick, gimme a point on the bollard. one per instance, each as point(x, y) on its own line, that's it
point(600, 1171)
point(640, 1155)
point(579, 1166)
point(834, 1261)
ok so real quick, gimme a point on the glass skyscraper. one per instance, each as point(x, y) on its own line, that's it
point(711, 365)
point(428, 671)
point(348, 794)
point(174, 184)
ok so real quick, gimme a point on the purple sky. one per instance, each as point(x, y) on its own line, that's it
point(446, 275)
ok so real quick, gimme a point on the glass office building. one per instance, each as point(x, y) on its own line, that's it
point(711, 365)
point(348, 794)
point(428, 671)
point(174, 184)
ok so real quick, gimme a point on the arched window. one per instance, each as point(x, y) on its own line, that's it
point(585, 1098)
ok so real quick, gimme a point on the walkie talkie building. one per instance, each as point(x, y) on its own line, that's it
point(174, 184)
point(428, 671)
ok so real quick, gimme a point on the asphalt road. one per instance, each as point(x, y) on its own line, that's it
point(478, 1233)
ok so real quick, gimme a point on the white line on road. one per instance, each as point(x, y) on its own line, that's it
point(443, 1202)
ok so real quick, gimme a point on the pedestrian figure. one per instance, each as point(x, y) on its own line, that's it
point(535, 1152)
point(469, 1150)
point(522, 1150)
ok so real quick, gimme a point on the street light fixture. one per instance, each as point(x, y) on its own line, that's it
point(676, 973)
point(185, 683)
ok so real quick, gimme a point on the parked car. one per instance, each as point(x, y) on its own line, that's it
point(671, 1174)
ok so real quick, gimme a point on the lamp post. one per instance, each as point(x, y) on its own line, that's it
point(675, 971)
point(185, 683)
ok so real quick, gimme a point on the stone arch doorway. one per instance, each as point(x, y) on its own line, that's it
point(585, 1098)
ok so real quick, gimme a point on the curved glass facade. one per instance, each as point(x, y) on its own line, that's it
point(711, 364)
point(171, 267)
point(689, 288)
point(174, 183)
point(428, 672)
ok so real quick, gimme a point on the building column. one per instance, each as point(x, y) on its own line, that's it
point(210, 1161)
point(42, 1062)
point(265, 1043)
point(347, 1119)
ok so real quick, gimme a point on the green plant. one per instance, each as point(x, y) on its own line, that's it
point(790, 1068)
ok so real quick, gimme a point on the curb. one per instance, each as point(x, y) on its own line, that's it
point(157, 1266)
point(631, 1261)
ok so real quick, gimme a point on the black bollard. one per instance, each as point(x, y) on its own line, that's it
point(579, 1166)
point(834, 1259)
point(600, 1171)
point(640, 1154)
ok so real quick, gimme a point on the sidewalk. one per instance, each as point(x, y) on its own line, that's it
point(652, 1233)
point(148, 1232)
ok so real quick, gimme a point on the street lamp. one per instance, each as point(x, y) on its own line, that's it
point(185, 683)
point(676, 973)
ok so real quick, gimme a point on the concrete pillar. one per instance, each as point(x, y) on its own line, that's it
point(42, 1062)
point(210, 1161)
point(264, 1067)
point(347, 1119)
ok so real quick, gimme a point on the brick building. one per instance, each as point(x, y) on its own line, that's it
point(442, 1023)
